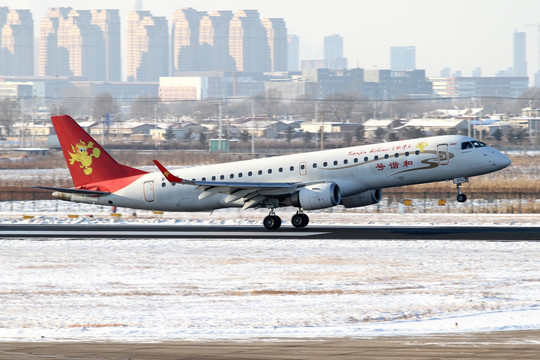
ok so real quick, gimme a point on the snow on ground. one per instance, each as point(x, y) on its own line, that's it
point(159, 290)
point(57, 211)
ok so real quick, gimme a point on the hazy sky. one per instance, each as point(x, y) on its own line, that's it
point(459, 34)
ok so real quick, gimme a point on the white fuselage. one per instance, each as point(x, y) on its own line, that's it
point(354, 169)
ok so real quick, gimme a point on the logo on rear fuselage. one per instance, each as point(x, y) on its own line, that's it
point(82, 155)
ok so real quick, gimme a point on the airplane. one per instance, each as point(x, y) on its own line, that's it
point(352, 176)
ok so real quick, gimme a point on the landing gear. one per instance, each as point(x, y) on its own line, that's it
point(272, 221)
point(300, 220)
point(459, 181)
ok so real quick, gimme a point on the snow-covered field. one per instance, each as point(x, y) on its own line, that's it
point(62, 212)
point(157, 290)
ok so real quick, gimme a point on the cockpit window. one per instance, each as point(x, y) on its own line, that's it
point(472, 144)
point(466, 145)
point(477, 144)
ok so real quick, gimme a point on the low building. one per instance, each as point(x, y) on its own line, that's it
point(512, 87)
point(431, 126)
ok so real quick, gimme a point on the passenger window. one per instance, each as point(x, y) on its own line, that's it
point(396, 155)
point(417, 152)
point(314, 165)
point(291, 168)
point(345, 161)
point(250, 173)
point(240, 175)
point(335, 162)
point(355, 160)
point(302, 166)
point(366, 159)
point(376, 157)
point(203, 179)
point(213, 178)
point(280, 169)
point(231, 176)
point(325, 164)
point(269, 171)
point(386, 156)
point(259, 172)
point(222, 177)
point(407, 153)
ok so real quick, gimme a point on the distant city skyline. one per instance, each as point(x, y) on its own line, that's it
point(461, 35)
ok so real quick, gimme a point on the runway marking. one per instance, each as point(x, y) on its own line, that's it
point(49, 233)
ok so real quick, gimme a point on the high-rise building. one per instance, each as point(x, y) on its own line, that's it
point(80, 43)
point(276, 33)
point(147, 47)
point(248, 42)
point(402, 58)
point(520, 56)
point(185, 39)
point(53, 60)
point(333, 52)
point(16, 42)
point(108, 22)
point(293, 53)
point(214, 41)
point(4, 11)
point(84, 44)
point(333, 47)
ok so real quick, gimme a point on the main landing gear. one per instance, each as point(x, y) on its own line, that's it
point(273, 222)
point(300, 220)
point(459, 181)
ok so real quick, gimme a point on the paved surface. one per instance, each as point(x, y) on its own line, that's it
point(495, 345)
point(492, 233)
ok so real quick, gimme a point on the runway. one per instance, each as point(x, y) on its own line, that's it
point(131, 231)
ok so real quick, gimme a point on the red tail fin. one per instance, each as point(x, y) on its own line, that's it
point(87, 161)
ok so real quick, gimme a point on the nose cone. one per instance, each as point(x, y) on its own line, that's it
point(501, 161)
point(506, 161)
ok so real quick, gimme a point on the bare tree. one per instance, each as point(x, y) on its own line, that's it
point(10, 111)
point(104, 104)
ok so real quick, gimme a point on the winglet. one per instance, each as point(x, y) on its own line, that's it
point(170, 177)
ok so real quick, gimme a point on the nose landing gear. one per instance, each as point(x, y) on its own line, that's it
point(459, 181)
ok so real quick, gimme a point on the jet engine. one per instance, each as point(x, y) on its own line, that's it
point(316, 196)
point(365, 198)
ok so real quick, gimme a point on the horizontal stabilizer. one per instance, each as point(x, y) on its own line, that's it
point(73, 191)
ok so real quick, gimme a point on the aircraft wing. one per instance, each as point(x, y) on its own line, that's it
point(252, 193)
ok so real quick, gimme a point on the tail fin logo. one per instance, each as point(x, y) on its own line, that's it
point(81, 154)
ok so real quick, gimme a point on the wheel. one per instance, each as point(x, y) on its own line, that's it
point(272, 222)
point(300, 220)
point(462, 198)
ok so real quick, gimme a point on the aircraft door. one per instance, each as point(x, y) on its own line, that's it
point(148, 189)
point(442, 154)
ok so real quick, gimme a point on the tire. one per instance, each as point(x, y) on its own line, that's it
point(461, 198)
point(272, 222)
point(297, 221)
point(300, 220)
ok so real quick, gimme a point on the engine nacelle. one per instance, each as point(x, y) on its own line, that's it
point(316, 196)
point(365, 198)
